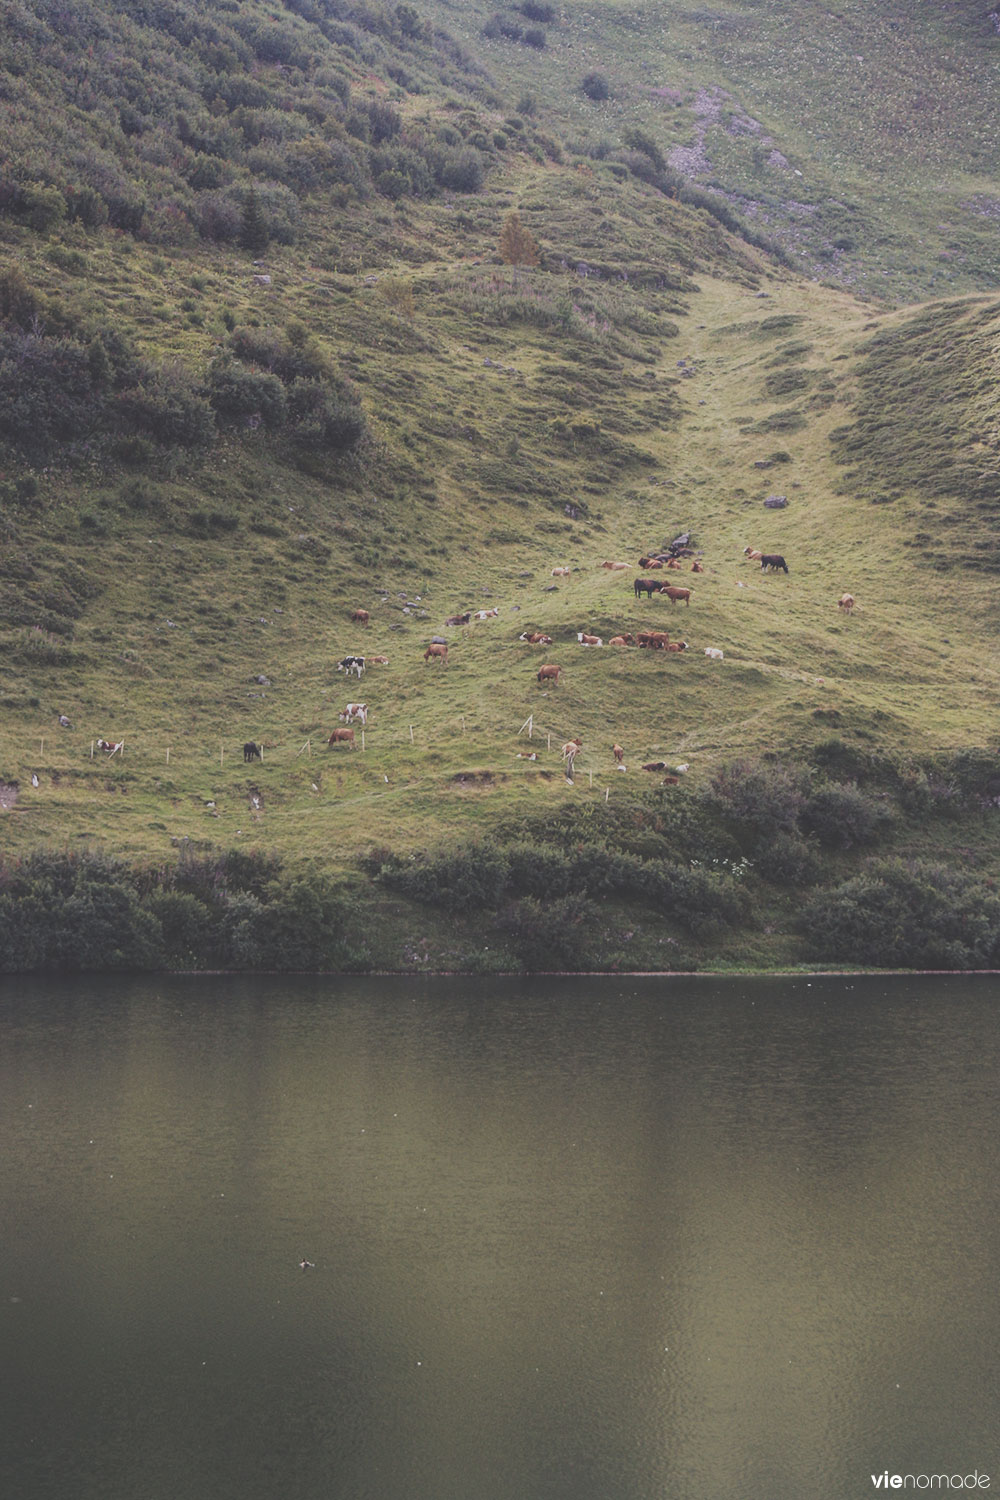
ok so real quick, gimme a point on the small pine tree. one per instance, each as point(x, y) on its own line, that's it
point(254, 233)
point(518, 246)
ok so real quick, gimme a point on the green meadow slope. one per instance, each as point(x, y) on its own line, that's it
point(274, 369)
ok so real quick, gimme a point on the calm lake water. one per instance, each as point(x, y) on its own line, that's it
point(659, 1239)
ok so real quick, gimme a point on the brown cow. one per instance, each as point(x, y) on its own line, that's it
point(697, 567)
point(654, 640)
point(675, 594)
point(588, 640)
point(438, 649)
point(647, 586)
point(615, 567)
point(378, 661)
point(676, 646)
point(674, 563)
point(342, 737)
point(360, 616)
point(846, 603)
point(560, 572)
point(651, 562)
point(618, 753)
point(752, 555)
point(548, 673)
point(622, 640)
point(535, 638)
point(459, 619)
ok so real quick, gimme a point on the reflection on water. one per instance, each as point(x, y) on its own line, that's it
point(593, 1239)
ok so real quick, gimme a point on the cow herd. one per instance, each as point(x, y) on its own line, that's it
point(549, 673)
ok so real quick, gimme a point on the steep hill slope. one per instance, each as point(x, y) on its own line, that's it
point(297, 378)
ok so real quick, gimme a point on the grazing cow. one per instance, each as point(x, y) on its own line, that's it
point(752, 555)
point(846, 603)
point(113, 747)
point(675, 594)
point(439, 650)
point(615, 567)
point(351, 664)
point(655, 765)
point(360, 616)
point(342, 737)
point(486, 614)
point(588, 640)
point(459, 619)
point(647, 586)
point(697, 567)
point(670, 781)
point(651, 562)
point(535, 638)
point(618, 753)
point(378, 661)
point(622, 640)
point(252, 751)
point(676, 646)
point(654, 640)
point(569, 753)
point(548, 673)
point(769, 560)
point(560, 572)
point(714, 653)
point(355, 712)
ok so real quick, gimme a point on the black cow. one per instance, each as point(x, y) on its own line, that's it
point(772, 560)
point(647, 586)
point(253, 751)
point(351, 664)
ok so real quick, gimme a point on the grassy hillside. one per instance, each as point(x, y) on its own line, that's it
point(275, 369)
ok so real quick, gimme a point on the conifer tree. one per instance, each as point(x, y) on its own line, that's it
point(518, 246)
point(254, 233)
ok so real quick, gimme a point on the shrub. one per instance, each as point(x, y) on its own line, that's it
point(167, 406)
point(913, 915)
point(840, 815)
point(760, 795)
point(596, 86)
point(326, 414)
point(786, 859)
point(551, 933)
point(239, 394)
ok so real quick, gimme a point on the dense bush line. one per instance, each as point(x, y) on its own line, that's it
point(233, 911)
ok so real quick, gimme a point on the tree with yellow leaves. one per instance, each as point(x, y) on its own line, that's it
point(518, 246)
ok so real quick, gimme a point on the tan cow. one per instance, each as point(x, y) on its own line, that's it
point(846, 603)
point(439, 650)
point(615, 567)
point(360, 616)
point(676, 594)
point(342, 737)
point(548, 673)
point(560, 572)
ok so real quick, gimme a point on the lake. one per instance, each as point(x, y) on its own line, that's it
point(571, 1239)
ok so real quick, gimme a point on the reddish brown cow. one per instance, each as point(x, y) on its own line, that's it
point(548, 673)
point(697, 567)
point(360, 616)
point(459, 619)
point(618, 753)
point(654, 640)
point(674, 563)
point(438, 649)
point(651, 562)
point(622, 640)
point(535, 638)
point(676, 646)
point(342, 737)
point(676, 594)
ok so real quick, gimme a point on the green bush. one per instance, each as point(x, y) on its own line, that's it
point(551, 934)
point(906, 915)
point(841, 816)
point(760, 795)
point(238, 394)
point(596, 86)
